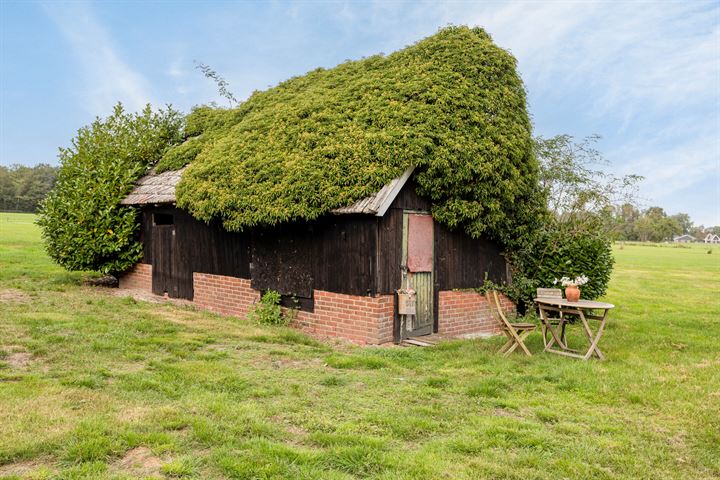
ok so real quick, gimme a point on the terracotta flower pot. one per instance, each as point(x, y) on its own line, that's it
point(572, 293)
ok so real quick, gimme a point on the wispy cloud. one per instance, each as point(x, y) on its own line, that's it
point(175, 69)
point(646, 76)
point(106, 78)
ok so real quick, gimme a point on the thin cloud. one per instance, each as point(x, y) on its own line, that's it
point(107, 79)
point(646, 75)
point(175, 70)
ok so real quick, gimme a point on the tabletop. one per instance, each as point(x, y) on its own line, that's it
point(561, 302)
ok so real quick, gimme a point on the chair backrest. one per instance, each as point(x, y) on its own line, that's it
point(496, 309)
point(549, 292)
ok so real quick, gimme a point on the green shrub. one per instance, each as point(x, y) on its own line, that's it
point(563, 250)
point(268, 311)
point(83, 225)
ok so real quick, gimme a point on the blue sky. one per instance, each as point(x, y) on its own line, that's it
point(643, 75)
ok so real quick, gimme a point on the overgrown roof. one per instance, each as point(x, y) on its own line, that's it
point(452, 105)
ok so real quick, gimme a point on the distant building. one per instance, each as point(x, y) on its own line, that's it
point(712, 238)
point(684, 239)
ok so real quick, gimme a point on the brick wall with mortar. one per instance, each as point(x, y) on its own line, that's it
point(467, 313)
point(221, 294)
point(137, 278)
point(365, 320)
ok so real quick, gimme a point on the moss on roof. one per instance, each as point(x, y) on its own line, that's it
point(452, 104)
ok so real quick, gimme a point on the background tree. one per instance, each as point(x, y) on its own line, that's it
point(575, 238)
point(683, 222)
point(83, 225)
point(22, 188)
point(652, 224)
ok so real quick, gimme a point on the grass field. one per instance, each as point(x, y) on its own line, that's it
point(98, 386)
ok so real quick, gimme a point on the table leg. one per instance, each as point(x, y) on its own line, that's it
point(594, 349)
point(548, 326)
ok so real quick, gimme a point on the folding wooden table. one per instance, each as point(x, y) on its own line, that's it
point(584, 309)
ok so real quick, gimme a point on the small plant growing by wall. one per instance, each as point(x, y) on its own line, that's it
point(268, 310)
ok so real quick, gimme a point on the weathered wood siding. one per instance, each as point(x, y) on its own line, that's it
point(463, 262)
point(350, 254)
point(203, 248)
point(195, 247)
point(334, 254)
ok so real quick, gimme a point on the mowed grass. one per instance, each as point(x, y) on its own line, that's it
point(98, 386)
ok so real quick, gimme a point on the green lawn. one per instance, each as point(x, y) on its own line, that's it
point(98, 386)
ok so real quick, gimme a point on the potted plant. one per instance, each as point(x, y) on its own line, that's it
point(572, 290)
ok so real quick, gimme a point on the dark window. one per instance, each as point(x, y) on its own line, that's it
point(162, 219)
point(301, 303)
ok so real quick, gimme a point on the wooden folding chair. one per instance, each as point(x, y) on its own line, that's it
point(552, 293)
point(515, 332)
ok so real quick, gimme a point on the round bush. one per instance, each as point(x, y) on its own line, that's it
point(563, 250)
point(83, 225)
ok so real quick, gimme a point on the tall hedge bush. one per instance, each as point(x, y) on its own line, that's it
point(83, 225)
point(452, 105)
point(562, 249)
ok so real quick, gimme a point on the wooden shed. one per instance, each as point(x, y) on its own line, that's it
point(322, 188)
point(342, 270)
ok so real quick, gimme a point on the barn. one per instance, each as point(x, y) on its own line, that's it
point(342, 271)
point(341, 187)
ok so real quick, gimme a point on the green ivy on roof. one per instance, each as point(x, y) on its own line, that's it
point(452, 105)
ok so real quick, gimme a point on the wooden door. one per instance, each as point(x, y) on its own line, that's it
point(163, 253)
point(417, 270)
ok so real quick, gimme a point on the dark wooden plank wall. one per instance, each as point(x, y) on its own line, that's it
point(145, 235)
point(352, 254)
point(335, 254)
point(282, 260)
point(202, 248)
point(462, 261)
point(196, 247)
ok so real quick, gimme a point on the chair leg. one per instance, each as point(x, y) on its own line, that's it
point(511, 349)
point(506, 346)
point(522, 343)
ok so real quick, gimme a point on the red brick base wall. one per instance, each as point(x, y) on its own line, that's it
point(366, 320)
point(467, 313)
point(221, 294)
point(355, 318)
point(137, 278)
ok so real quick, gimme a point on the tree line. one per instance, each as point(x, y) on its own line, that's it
point(22, 188)
point(653, 224)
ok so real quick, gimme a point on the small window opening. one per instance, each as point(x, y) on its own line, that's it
point(163, 219)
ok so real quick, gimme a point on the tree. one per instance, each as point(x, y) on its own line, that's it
point(572, 178)
point(683, 221)
point(575, 238)
point(83, 225)
point(624, 218)
point(656, 226)
point(22, 188)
